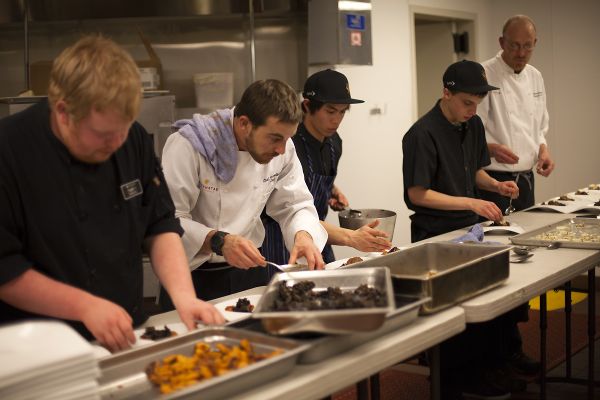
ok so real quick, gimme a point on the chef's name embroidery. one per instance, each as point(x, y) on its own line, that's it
point(271, 178)
point(207, 188)
point(131, 189)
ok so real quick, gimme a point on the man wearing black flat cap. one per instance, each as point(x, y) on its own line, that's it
point(319, 147)
point(444, 155)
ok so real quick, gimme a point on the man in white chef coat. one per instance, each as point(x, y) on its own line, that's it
point(516, 124)
point(222, 169)
point(515, 117)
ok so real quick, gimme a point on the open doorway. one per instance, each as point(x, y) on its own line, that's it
point(440, 37)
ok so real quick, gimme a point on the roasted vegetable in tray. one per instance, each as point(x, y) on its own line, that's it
point(178, 371)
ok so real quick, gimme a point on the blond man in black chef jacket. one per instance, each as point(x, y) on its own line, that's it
point(81, 194)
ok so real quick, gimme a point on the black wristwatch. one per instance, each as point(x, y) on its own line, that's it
point(217, 241)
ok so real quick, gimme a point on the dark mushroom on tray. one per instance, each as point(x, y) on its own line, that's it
point(242, 305)
point(553, 203)
point(151, 333)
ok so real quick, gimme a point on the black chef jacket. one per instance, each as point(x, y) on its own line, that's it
point(78, 223)
point(443, 157)
point(320, 152)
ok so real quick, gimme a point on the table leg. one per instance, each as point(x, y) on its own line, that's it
point(568, 310)
point(434, 372)
point(362, 390)
point(375, 388)
point(591, 329)
point(543, 328)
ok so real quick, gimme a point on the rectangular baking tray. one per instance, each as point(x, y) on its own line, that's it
point(123, 375)
point(446, 272)
point(336, 321)
point(322, 346)
point(570, 227)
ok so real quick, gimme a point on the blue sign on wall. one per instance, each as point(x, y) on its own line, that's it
point(357, 22)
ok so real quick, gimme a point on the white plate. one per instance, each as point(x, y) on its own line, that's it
point(512, 228)
point(569, 207)
point(29, 348)
point(338, 263)
point(232, 316)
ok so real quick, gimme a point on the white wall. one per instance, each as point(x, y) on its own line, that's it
point(568, 55)
point(370, 170)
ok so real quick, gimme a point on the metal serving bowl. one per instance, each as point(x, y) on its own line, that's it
point(354, 219)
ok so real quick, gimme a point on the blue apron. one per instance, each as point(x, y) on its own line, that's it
point(320, 186)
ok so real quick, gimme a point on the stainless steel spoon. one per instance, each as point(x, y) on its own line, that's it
point(554, 245)
point(520, 258)
point(523, 250)
point(510, 209)
point(289, 267)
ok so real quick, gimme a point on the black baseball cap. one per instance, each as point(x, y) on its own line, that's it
point(328, 86)
point(466, 76)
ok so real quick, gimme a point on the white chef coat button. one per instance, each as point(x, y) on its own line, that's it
point(255, 187)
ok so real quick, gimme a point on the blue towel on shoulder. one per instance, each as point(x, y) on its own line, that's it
point(212, 136)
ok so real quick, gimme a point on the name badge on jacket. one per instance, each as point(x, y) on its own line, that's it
point(131, 189)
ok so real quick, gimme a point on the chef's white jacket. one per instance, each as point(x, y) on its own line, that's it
point(204, 203)
point(515, 115)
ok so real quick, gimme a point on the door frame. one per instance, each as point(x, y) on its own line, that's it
point(435, 12)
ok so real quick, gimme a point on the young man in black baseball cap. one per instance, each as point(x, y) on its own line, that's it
point(319, 147)
point(444, 155)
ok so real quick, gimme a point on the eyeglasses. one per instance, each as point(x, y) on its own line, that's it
point(513, 46)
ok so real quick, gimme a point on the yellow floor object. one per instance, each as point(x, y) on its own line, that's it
point(555, 300)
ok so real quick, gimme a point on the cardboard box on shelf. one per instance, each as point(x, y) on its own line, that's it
point(39, 76)
point(151, 69)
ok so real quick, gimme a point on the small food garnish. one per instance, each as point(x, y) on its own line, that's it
point(151, 333)
point(594, 186)
point(502, 222)
point(242, 305)
point(565, 197)
point(553, 203)
point(581, 193)
point(352, 260)
point(393, 249)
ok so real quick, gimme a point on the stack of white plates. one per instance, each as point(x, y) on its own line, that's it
point(46, 360)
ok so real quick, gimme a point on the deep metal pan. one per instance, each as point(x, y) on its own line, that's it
point(447, 272)
point(123, 375)
point(323, 346)
point(326, 321)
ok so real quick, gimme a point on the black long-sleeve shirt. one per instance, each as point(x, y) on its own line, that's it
point(81, 224)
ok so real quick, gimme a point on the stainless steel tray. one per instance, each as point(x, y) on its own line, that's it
point(322, 346)
point(123, 375)
point(326, 321)
point(579, 233)
point(447, 272)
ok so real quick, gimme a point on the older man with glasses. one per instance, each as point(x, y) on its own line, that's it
point(516, 123)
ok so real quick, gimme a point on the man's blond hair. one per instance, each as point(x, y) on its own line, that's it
point(95, 73)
